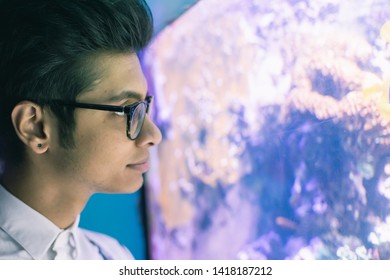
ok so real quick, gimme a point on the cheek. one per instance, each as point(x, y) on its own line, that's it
point(103, 152)
point(99, 139)
point(104, 155)
point(105, 170)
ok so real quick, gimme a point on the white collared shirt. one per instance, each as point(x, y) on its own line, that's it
point(26, 234)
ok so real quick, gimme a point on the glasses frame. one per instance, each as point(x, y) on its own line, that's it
point(127, 110)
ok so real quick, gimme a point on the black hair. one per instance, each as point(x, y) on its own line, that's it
point(47, 49)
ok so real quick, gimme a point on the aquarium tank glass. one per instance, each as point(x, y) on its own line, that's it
point(276, 131)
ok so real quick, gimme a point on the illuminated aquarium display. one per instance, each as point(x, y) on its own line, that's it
point(276, 131)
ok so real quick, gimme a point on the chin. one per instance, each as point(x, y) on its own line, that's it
point(128, 188)
point(133, 189)
point(122, 184)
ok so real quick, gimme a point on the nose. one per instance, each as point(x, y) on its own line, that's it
point(150, 134)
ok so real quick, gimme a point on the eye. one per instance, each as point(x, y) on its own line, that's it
point(119, 113)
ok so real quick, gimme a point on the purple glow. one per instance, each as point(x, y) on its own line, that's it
point(275, 139)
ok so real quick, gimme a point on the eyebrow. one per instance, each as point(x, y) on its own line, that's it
point(124, 95)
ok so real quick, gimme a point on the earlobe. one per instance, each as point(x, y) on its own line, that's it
point(28, 122)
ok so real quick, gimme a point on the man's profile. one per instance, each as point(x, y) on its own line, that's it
point(73, 120)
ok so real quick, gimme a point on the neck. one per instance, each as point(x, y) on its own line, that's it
point(58, 200)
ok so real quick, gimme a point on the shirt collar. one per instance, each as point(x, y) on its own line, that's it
point(74, 243)
point(33, 231)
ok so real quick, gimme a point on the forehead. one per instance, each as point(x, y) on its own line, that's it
point(120, 77)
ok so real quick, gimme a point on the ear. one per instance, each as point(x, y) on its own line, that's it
point(28, 121)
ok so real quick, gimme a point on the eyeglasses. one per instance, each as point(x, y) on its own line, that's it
point(135, 113)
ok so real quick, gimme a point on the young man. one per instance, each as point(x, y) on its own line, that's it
point(73, 120)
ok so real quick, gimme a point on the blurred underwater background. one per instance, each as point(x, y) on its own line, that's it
point(276, 131)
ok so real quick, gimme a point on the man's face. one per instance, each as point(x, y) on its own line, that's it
point(104, 159)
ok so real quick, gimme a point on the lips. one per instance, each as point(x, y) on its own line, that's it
point(142, 166)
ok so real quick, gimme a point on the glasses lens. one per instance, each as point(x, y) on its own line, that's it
point(137, 120)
